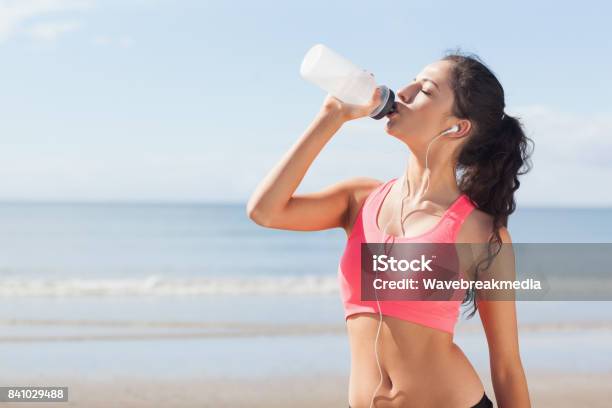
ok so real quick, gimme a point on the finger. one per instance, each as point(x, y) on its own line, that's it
point(377, 94)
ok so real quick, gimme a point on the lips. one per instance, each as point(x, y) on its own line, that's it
point(394, 111)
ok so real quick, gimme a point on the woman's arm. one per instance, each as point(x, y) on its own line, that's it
point(499, 321)
point(273, 203)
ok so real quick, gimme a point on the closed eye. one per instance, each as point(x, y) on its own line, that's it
point(426, 93)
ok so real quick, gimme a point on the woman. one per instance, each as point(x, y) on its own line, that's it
point(416, 363)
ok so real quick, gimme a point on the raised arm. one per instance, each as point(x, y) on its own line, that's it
point(273, 204)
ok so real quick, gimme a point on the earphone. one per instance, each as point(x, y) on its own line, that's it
point(455, 128)
point(450, 130)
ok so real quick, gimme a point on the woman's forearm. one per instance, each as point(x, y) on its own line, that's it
point(278, 186)
point(511, 388)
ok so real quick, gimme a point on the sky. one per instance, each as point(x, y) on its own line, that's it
point(159, 100)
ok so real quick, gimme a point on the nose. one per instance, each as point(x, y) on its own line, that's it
point(407, 94)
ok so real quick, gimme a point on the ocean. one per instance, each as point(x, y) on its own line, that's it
point(174, 290)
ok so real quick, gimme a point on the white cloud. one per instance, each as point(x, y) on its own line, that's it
point(101, 40)
point(51, 31)
point(14, 14)
point(572, 157)
point(575, 139)
point(125, 42)
point(105, 40)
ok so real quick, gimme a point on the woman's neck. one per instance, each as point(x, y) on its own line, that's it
point(437, 183)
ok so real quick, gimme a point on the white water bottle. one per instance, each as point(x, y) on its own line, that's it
point(344, 80)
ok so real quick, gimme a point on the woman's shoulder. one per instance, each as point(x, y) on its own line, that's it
point(359, 190)
point(478, 227)
point(363, 186)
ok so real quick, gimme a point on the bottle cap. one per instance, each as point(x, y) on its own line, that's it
point(387, 103)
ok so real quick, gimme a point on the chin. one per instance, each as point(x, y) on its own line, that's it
point(391, 129)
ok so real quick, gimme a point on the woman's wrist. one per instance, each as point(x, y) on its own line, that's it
point(332, 115)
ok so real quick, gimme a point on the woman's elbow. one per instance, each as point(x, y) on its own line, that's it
point(256, 214)
point(509, 368)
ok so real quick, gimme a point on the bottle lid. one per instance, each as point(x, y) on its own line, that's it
point(387, 100)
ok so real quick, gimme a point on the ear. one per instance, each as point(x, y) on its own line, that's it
point(465, 126)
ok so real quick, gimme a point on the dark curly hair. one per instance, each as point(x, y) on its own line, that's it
point(496, 152)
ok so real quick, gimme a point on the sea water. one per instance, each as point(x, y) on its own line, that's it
point(199, 289)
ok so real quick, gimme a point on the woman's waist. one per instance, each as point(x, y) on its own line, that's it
point(409, 364)
point(402, 350)
point(428, 375)
point(406, 336)
point(405, 350)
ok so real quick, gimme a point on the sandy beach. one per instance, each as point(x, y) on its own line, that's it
point(547, 390)
point(126, 360)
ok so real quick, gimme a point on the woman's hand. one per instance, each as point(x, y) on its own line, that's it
point(348, 111)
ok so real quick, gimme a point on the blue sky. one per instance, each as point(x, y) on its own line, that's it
point(196, 100)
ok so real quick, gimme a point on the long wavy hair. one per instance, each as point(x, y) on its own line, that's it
point(495, 154)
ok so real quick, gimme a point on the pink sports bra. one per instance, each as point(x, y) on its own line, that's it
point(441, 315)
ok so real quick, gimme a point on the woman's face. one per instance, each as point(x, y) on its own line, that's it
point(424, 107)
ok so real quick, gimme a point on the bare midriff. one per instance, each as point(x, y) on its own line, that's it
point(421, 367)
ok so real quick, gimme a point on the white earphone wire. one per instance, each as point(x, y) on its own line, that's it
point(402, 219)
